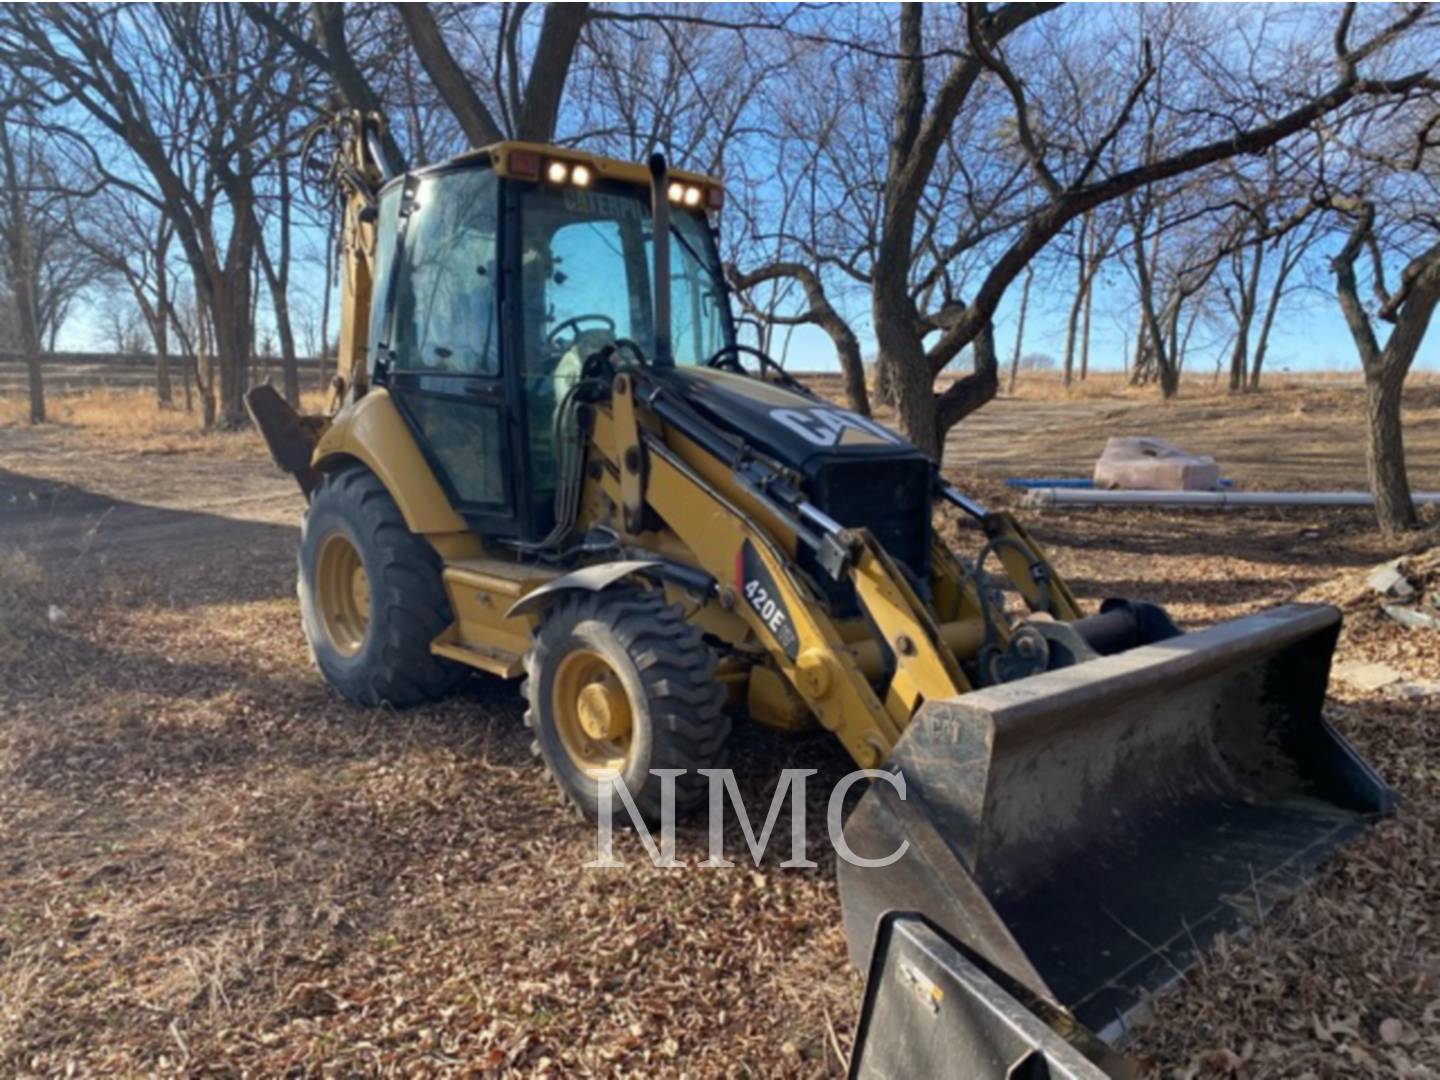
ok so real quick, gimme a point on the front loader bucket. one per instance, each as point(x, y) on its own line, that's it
point(1084, 832)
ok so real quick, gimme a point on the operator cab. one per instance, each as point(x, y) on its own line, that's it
point(497, 275)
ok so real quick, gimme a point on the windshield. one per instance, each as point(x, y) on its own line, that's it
point(585, 259)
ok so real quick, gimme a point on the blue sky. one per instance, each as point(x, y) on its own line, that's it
point(1309, 333)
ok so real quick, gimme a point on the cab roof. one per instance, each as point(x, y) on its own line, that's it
point(500, 156)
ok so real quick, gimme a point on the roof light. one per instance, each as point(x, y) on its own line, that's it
point(557, 172)
point(581, 175)
point(692, 196)
point(676, 192)
point(524, 164)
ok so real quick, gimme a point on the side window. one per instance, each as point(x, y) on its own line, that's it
point(445, 318)
point(384, 256)
point(689, 282)
point(697, 298)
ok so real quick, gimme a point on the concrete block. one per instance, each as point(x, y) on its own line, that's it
point(1143, 463)
point(1387, 580)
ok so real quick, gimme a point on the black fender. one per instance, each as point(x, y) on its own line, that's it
point(587, 579)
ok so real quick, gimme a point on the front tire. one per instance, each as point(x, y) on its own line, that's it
point(619, 684)
point(371, 596)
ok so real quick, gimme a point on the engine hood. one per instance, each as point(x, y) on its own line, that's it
point(797, 430)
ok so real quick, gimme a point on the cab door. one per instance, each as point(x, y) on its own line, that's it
point(442, 351)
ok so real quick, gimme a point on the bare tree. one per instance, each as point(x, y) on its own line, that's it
point(276, 264)
point(132, 241)
point(1210, 116)
point(1174, 253)
point(163, 82)
point(475, 60)
point(1385, 192)
point(1098, 232)
point(40, 264)
point(122, 326)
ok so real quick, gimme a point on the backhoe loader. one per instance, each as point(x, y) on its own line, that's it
point(548, 457)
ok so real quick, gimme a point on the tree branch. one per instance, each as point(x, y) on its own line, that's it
point(449, 77)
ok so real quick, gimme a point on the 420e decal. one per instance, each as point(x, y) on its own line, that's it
point(758, 588)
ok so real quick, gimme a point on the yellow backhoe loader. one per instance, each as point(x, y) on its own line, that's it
point(549, 457)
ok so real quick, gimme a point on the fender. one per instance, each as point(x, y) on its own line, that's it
point(587, 579)
point(373, 432)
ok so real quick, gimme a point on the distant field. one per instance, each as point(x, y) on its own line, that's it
point(74, 372)
point(1304, 432)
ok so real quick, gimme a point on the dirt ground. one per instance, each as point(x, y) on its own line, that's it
point(209, 864)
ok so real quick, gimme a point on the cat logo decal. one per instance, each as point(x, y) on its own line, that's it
point(835, 427)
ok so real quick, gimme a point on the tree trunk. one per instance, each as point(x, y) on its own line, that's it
point(324, 381)
point(1133, 357)
point(280, 302)
point(278, 276)
point(232, 321)
point(24, 285)
point(37, 384)
point(914, 394)
point(163, 395)
point(1020, 328)
point(225, 332)
point(885, 393)
point(1249, 294)
point(205, 385)
point(1085, 329)
point(1182, 350)
point(853, 368)
point(1385, 450)
point(1153, 350)
point(1263, 341)
point(1385, 369)
point(160, 324)
point(964, 396)
point(186, 365)
point(232, 330)
point(1169, 358)
point(1073, 324)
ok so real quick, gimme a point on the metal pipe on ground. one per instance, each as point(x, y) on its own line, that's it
point(1043, 497)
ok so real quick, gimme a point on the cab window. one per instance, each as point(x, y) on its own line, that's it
point(445, 317)
point(386, 223)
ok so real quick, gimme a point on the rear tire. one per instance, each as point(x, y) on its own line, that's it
point(644, 669)
point(371, 596)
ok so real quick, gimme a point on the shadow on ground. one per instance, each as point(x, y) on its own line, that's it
point(182, 557)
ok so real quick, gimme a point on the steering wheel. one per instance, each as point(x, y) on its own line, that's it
point(573, 323)
point(727, 358)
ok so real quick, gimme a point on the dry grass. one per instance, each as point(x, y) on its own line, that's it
point(210, 865)
point(23, 610)
point(130, 421)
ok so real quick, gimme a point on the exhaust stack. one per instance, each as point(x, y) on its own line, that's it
point(660, 246)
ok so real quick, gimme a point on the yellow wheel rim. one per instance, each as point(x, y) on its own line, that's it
point(342, 594)
point(592, 714)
